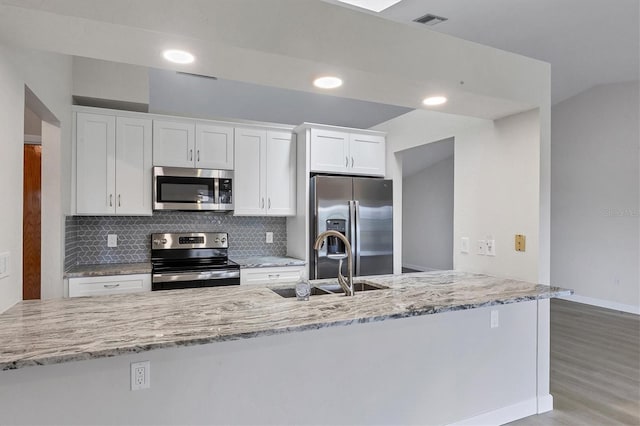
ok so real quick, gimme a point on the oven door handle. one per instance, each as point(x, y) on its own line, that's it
point(195, 276)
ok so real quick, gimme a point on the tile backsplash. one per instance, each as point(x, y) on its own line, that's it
point(86, 236)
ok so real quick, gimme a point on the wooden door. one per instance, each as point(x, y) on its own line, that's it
point(31, 222)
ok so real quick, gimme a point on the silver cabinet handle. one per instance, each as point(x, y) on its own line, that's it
point(262, 204)
point(269, 203)
point(111, 285)
point(190, 155)
point(274, 276)
point(119, 199)
point(351, 161)
point(198, 154)
point(346, 163)
point(110, 200)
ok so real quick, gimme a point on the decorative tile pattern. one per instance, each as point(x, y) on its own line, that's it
point(86, 236)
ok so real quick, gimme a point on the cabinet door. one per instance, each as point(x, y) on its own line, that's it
point(329, 151)
point(214, 147)
point(95, 163)
point(173, 144)
point(281, 174)
point(250, 172)
point(133, 166)
point(367, 155)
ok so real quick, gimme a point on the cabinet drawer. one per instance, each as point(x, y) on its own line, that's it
point(277, 275)
point(115, 284)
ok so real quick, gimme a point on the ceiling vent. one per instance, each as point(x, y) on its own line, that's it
point(430, 19)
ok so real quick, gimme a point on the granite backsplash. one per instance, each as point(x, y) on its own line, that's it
point(86, 236)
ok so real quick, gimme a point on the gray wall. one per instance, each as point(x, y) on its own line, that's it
point(595, 222)
point(427, 217)
point(86, 236)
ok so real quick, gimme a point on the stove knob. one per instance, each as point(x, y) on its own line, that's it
point(158, 242)
point(224, 239)
point(217, 240)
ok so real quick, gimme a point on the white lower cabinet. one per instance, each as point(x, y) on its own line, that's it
point(112, 284)
point(274, 275)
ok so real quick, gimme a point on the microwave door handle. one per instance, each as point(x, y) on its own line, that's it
point(216, 190)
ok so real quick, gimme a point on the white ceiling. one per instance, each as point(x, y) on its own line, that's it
point(587, 42)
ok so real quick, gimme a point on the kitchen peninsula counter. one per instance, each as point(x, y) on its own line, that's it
point(58, 331)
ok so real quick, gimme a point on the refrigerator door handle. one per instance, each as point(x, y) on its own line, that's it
point(352, 231)
point(357, 226)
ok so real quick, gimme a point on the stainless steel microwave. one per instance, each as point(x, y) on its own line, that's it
point(177, 188)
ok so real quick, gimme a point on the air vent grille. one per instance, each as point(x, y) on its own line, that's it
point(430, 19)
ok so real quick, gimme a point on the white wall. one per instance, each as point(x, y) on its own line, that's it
point(595, 202)
point(427, 217)
point(49, 77)
point(99, 79)
point(497, 185)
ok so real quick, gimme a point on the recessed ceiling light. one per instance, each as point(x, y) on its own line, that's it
point(178, 56)
point(434, 100)
point(327, 82)
point(373, 5)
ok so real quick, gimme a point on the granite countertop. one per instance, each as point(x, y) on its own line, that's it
point(38, 332)
point(80, 271)
point(267, 261)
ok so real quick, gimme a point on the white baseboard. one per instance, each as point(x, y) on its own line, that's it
point(603, 303)
point(545, 403)
point(503, 415)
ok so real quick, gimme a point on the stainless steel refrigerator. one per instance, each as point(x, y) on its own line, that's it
point(360, 208)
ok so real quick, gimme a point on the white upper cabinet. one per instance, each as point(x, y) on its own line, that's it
point(347, 152)
point(329, 151)
point(265, 170)
point(95, 164)
point(192, 144)
point(214, 147)
point(133, 166)
point(367, 154)
point(113, 165)
point(281, 174)
point(173, 143)
point(250, 172)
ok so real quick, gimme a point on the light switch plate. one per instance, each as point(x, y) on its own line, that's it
point(495, 319)
point(482, 247)
point(269, 238)
point(464, 245)
point(112, 240)
point(491, 247)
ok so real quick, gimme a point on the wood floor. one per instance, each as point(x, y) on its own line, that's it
point(595, 367)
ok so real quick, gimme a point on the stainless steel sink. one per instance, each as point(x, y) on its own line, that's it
point(289, 292)
point(325, 289)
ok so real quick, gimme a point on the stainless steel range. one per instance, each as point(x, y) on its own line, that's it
point(192, 260)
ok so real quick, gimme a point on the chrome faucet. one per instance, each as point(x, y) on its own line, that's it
point(345, 282)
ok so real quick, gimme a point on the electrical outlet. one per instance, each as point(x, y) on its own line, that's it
point(4, 264)
point(112, 240)
point(464, 245)
point(491, 247)
point(495, 323)
point(140, 375)
point(482, 247)
point(269, 238)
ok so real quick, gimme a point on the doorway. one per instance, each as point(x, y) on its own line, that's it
point(32, 206)
point(427, 206)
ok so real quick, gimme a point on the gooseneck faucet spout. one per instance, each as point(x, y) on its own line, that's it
point(345, 282)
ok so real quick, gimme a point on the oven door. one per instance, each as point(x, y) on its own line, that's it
point(195, 279)
point(192, 189)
